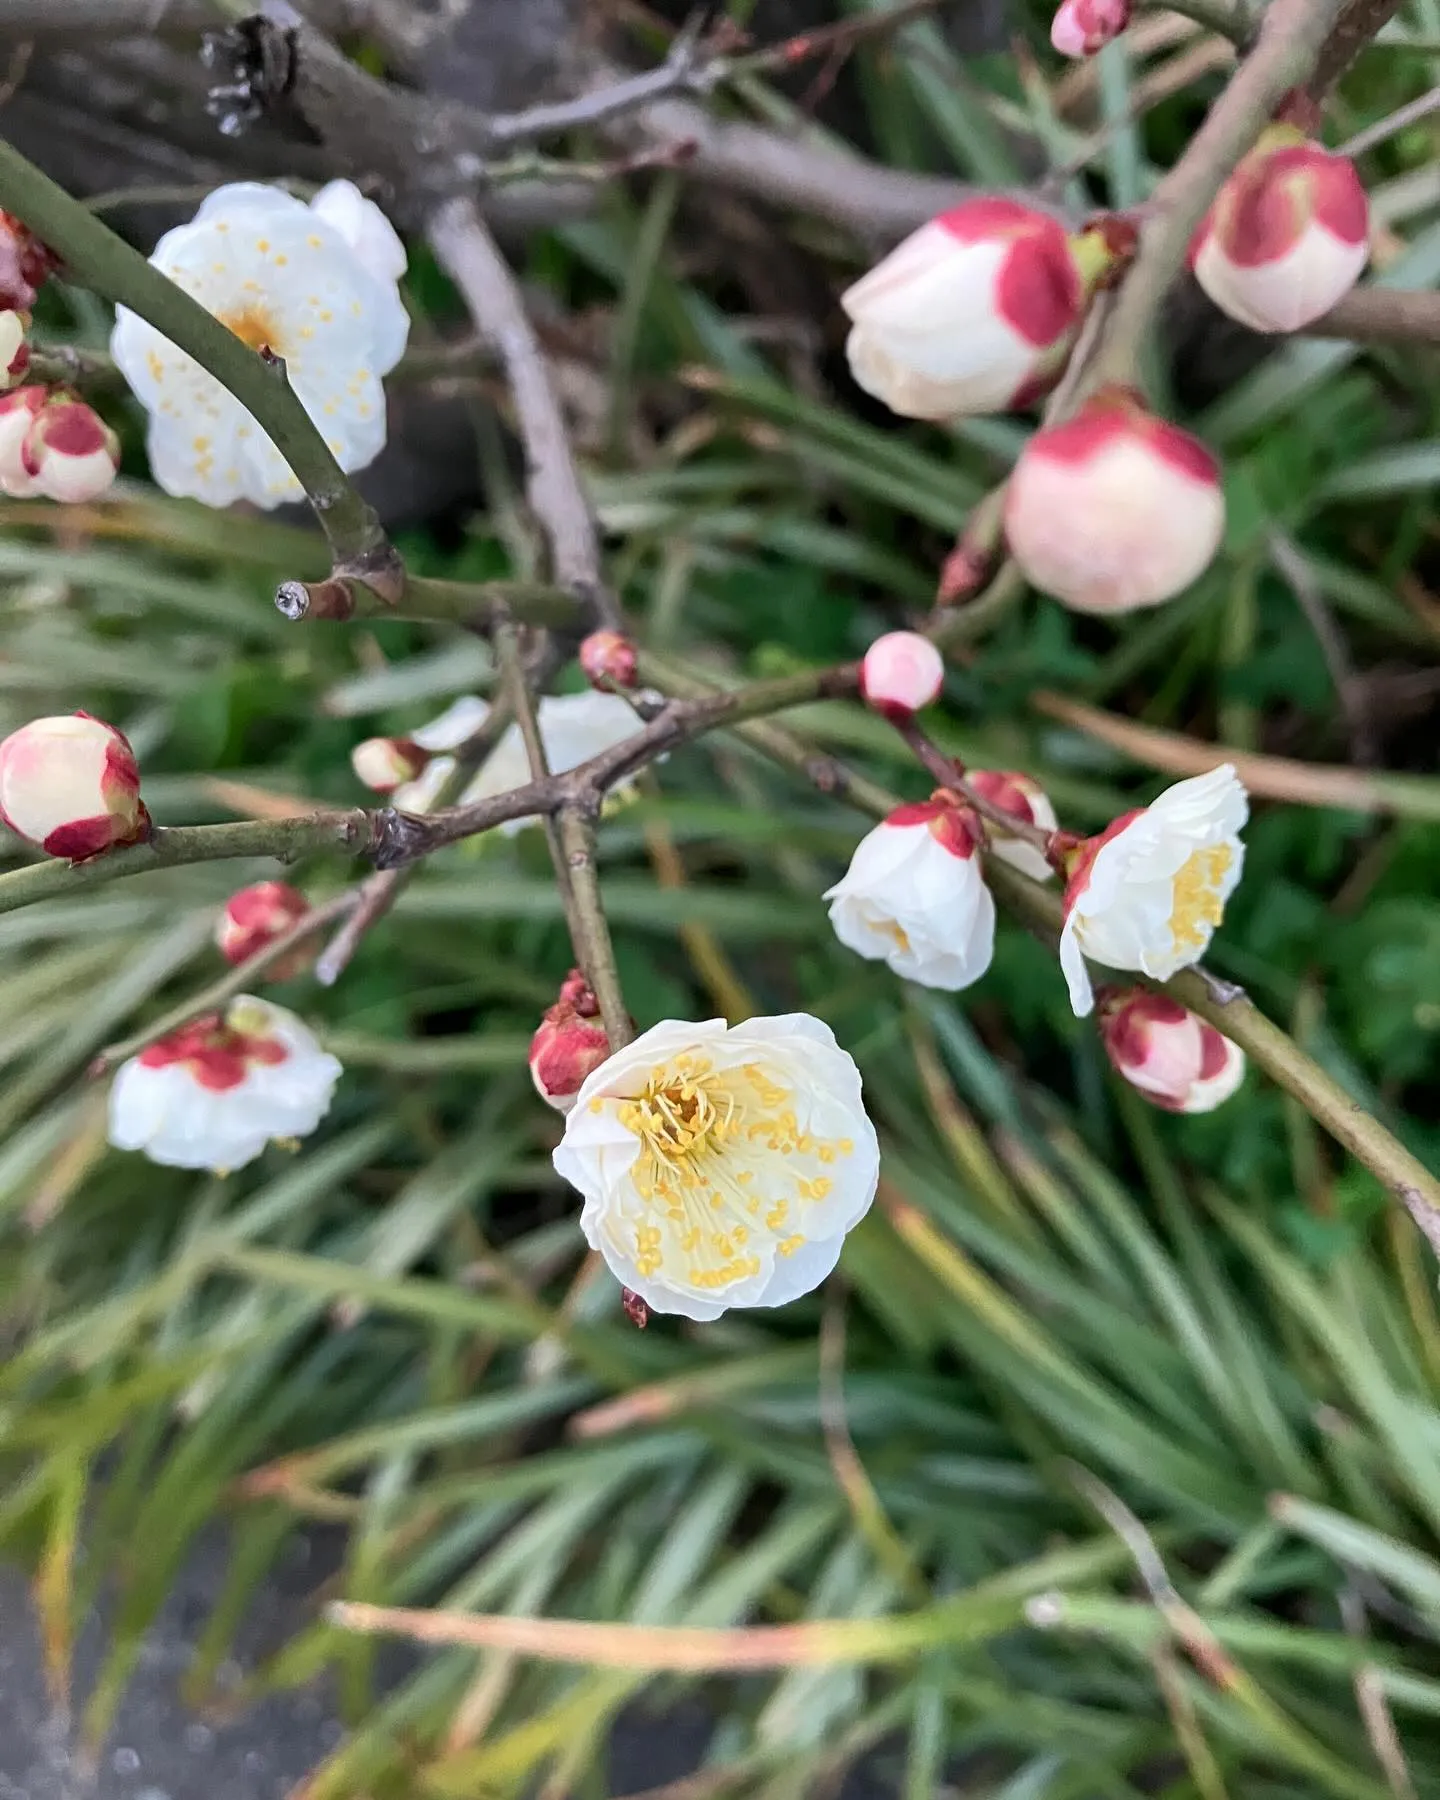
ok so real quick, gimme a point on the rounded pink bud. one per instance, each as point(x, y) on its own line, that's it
point(18, 412)
point(1081, 27)
point(24, 263)
point(1167, 1054)
point(1025, 800)
point(384, 764)
point(570, 1045)
point(902, 672)
point(255, 917)
point(71, 785)
point(608, 659)
point(71, 454)
point(14, 351)
point(975, 312)
point(1115, 509)
point(1288, 235)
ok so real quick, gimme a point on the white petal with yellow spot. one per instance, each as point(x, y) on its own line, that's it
point(722, 1166)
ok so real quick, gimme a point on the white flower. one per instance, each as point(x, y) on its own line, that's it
point(279, 275)
point(914, 896)
point(214, 1093)
point(1172, 1057)
point(370, 235)
point(573, 728)
point(1148, 892)
point(722, 1166)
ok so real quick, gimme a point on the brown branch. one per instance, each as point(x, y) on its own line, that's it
point(589, 928)
point(1380, 315)
point(1360, 21)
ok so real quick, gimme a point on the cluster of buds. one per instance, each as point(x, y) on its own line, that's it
point(53, 445)
point(569, 1045)
point(70, 785)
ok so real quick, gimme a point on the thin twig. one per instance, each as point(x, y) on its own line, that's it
point(1357, 24)
point(589, 928)
point(1370, 1699)
point(1295, 572)
point(1381, 315)
point(1400, 120)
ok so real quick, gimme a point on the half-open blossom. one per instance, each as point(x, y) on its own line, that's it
point(722, 1166)
point(24, 264)
point(69, 453)
point(1025, 800)
point(14, 350)
point(901, 673)
point(975, 312)
point(1148, 892)
point(1168, 1054)
point(608, 657)
point(1288, 235)
point(573, 728)
point(569, 1044)
point(214, 1093)
point(1115, 509)
point(1082, 27)
point(71, 784)
point(286, 281)
point(915, 897)
point(385, 764)
point(255, 917)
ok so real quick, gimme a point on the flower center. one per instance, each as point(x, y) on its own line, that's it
point(724, 1165)
point(897, 933)
point(254, 324)
point(1196, 905)
point(216, 1055)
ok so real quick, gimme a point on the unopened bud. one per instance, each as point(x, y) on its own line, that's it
point(71, 785)
point(24, 264)
point(384, 764)
point(608, 659)
point(1115, 509)
point(902, 672)
point(1082, 27)
point(1288, 235)
point(569, 1046)
point(70, 455)
point(1172, 1057)
point(18, 412)
point(1026, 801)
point(255, 917)
point(14, 351)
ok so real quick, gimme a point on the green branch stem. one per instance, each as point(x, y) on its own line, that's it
point(1292, 35)
point(113, 269)
point(589, 928)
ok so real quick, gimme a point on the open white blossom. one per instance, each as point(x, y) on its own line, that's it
point(915, 897)
point(722, 1166)
point(1148, 892)
point(283, 275)
point(573, 728)
point(214, 1093)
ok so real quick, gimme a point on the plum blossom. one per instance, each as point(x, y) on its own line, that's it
point(1176, 1060)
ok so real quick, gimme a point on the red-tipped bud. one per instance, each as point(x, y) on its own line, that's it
point(570, 1044)
point(24, 264)
point(1081, 27)
point(1167, 1054)
point(1288, 235)
point(1116, 509)
point(255, 917)
point(384, 764)
point(71, 785)
point(1024, 800)
point(901, 673)
point(608, 659)
point(975, 312)
point(70, 454)
point(18, 413)
point(14, 351)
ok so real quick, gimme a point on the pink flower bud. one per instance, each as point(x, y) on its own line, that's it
point(1024, 800)
point(14, 351)
point(1167, 1054)
point(255, 917)
point(18, 412)
point(1288, 235)
point(902, 672)
point(608, 658)
point(1081, 27)
point(384, 764)
point(71, 454)
point(570, 1044)
point(1115, 509)
point(975, 312)
point(71, 785)
point(24, 264)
